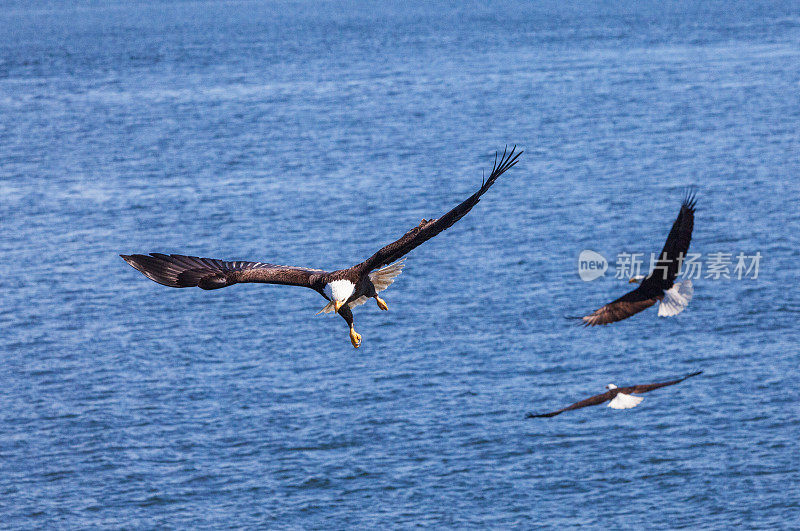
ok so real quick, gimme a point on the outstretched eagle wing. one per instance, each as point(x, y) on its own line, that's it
point(427, 229)
point(650, 387)
point(179, 271)
point(622, 308)
point(675, 248)
point(591, 401)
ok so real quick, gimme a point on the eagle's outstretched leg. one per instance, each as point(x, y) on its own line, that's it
point(347, 315)
point(371, 292)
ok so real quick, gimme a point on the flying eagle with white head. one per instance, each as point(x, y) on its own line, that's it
point(344, 289)
point(617, 397)
point(659, 286)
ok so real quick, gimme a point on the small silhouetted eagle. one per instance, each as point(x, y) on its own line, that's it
point(619, 397)
point(344, 289)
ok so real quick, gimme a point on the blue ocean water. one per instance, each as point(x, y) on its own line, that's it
point(312, 134)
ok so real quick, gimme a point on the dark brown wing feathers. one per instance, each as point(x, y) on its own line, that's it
point(650, 387)
point(179, 271)
point(675, 248)
point(591, 401)
point(427, 229)
point(629, 304)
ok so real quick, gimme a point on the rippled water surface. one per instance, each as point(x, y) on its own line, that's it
point(312, 134)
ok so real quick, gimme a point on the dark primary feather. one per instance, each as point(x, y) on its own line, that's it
point(427, 229)
point(179, 271)
point(591, 401)
point(653, 287)
point(649, 387)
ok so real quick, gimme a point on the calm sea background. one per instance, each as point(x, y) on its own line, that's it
point(314, 133)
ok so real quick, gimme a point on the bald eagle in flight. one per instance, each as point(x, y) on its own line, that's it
point(620, 397)
point(659, 285)
point(344, 289)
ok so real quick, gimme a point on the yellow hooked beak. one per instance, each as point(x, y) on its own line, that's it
point(337, 305)
point(633, 280)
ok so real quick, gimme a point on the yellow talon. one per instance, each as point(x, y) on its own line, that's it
point(381, 304)
point(355, 338)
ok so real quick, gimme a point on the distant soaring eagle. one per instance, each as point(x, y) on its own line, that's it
point(660, 284)
point(620, 397)
point(344, 289)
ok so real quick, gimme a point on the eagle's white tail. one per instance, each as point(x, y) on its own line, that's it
point(623, 401)
point(381, 279)
point(676, 299)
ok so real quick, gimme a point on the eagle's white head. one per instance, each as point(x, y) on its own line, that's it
point(339, 291)
point(611, 386)
point(636, 279)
